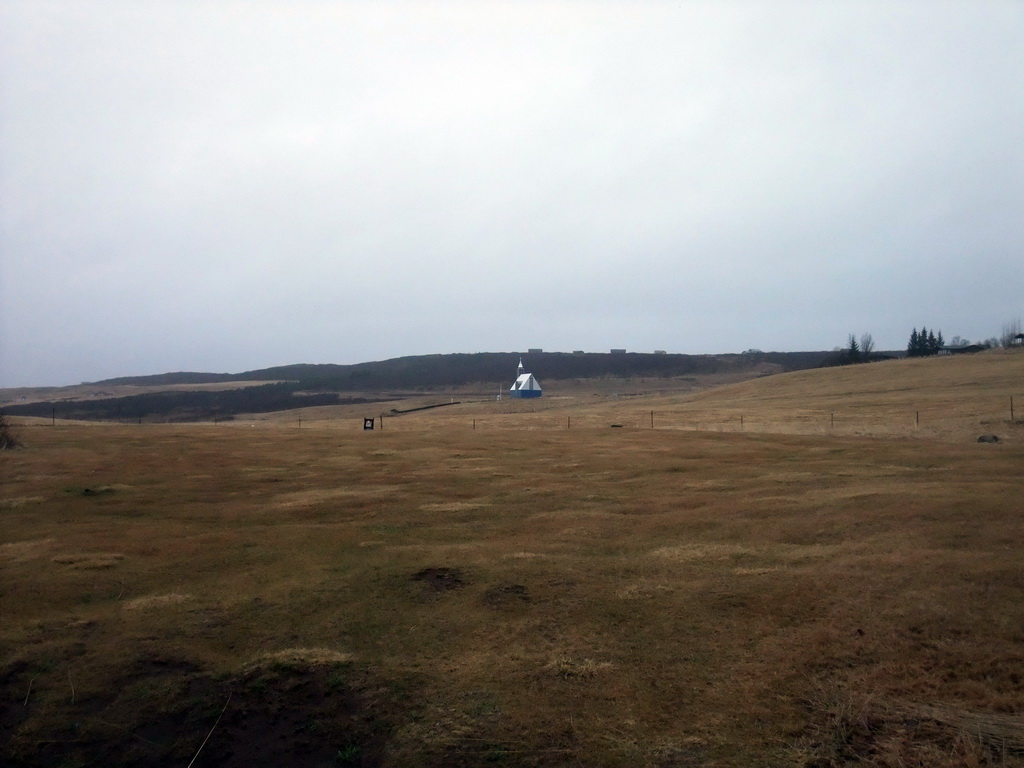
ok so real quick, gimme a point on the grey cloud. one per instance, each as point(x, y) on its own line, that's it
point(218, 186)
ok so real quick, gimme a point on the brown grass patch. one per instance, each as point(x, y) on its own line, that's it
point(17, 503)
point(576, 668)
point(90, 560)
point(454, 506)
point(306, 657)
point(877, 730)
point(155, 601)
point(18, 551)
point(314, 496)
point(524, 555)
point(526, 593)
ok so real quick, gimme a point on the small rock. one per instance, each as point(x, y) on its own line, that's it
point(988, 439)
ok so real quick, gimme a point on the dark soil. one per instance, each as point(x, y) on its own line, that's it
point(441, 579)
point(169, 712)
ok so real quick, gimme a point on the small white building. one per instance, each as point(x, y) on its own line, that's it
point(526, 385)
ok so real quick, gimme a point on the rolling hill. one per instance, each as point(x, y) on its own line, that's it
point(194, 396)
point(944, 397)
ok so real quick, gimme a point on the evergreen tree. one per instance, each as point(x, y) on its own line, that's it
point(924, 343)
point(853, 349)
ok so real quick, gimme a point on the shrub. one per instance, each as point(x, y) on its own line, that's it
point(9, 437)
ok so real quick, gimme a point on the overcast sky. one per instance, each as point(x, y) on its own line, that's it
point(214, 185)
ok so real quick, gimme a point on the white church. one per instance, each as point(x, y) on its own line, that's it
point(526, 385)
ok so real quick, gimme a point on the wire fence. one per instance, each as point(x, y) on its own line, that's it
point(1001, 416)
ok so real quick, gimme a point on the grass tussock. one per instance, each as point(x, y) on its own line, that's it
point(852, 728)
point(90, 560)
point(575, 668)
point(10, 435)
point(156, 602)
point(302, 657)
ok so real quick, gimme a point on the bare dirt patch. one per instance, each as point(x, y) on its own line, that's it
point(296, 708)
point(440, 579)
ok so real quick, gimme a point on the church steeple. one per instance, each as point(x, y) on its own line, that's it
point(525, 384)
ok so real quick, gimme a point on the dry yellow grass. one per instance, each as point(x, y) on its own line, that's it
point(524, 593)
point(945, 398)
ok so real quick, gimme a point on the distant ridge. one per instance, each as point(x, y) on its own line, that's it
point(459, 369)
point(304, 385)
point(168, 379)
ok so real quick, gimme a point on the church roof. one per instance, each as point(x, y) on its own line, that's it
point(526, 381)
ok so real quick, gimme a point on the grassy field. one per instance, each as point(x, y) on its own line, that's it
point(834, 579)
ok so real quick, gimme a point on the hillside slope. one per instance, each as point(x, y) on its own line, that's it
point(947, 398)
point(191, 396)
point(957, 385)
point(939, 396)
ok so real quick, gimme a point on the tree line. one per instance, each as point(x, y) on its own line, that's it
point(924, 343)
point(928, 342)
point(856, 351)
